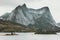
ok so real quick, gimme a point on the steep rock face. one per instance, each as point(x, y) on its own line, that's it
point(32, 17)
point(23, 14)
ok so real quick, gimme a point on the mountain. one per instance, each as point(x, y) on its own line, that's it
point(39, 18)
point(58, 24)
point(7, 26)
point(5, 16)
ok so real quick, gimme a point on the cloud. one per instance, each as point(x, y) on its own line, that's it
point(13, 2)
point(8, 3)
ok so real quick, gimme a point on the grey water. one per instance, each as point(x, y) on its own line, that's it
point(31, 36)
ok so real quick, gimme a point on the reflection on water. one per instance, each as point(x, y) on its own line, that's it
point(31, 36)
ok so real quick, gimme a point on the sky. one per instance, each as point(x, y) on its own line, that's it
point(54, 6)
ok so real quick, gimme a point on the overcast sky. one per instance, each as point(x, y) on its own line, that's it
point(54, 6)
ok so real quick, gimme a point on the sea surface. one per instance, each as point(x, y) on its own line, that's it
point(30, 36)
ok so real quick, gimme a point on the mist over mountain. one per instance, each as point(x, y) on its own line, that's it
point(4, 17)
point(39, 18)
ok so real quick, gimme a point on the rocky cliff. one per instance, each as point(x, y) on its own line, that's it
point(39, 18)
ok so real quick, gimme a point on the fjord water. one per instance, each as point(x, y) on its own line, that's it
point(31, 36)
